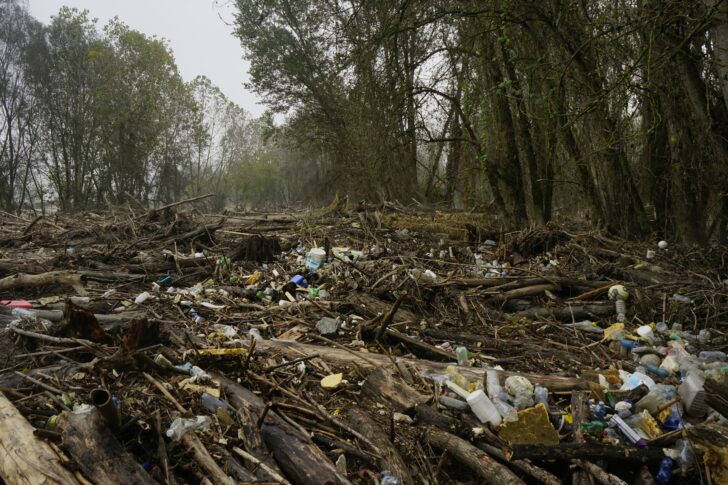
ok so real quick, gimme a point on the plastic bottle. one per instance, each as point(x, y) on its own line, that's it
point(462, 355)
point(585, 326)
point(704, 336)
point(600, 411)
point(628, 431)
point(658, 371)
point(645, 331)
point(212, 404)
point(479, 404)
point(457, 377)
point(686, 455)
point(692, 395)
point(541, 395)
point(593, 427)
point(23, 312)
point(620, 307)
point(499, 396)
point(712, 356)
point(664, 473)
point(618, 294)
point(662, 328)
point(315, 258)
point(387, 478)
point(681, 298)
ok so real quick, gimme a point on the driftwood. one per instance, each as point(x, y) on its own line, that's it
point(571, 451)
point(94, 448)
point(370, 360)
point(712, 441)
point(489, 470)
point(24, 458)
point(299, 459)
point(391, 459)
point(521, 293)
point(717, 396)
point(22, 280)
point(382, 385)
point(579, 411)
point(576, 311)
point(203, 457)
point(599, 474)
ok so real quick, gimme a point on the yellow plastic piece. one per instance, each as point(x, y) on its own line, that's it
point(332, 381)
point(532, 428)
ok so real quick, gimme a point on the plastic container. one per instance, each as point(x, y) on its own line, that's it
point(600, 411)
point(637, 379)
point(483, 408)
point(692, 395)
point(299, 280)
point(628, 431)
point(457, 377)
point(585, 326)
point(387, 478)
point(479, 404)
point(645, 331)
point(704, 336)
point(664, 473)
point(212, 404)
point(620, 308)
point(315, 258)
point(522, 391)
point(712, 356)
point(462, 355)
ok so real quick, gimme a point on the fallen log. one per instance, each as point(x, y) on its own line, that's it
point(521, 293)
point(371, 360)
point(391, 459)
point(97, 452)
point(572, 451)
point(382, 386)
point(25, 458)
point(23, 280)
point(489, 470)
point(578, 311)
point(300, 460)
point(428, 415)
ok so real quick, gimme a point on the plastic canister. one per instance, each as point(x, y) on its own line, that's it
point(692, 395)
point(483, 408)
point(315, 258)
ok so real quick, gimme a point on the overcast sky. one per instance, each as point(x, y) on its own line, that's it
point(198, 31)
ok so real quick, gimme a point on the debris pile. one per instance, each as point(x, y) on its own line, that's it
point(388, 346)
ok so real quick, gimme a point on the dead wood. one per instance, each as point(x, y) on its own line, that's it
point(97, 452)
point(487, 469)
point(24, 458)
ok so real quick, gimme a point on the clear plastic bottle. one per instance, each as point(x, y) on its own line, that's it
point(704, 336)
point(712, 356)
point(664, 473)
point(457, 377)
point(387, 478)
point(462, 355)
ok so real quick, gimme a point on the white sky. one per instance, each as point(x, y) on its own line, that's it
point(196, 31)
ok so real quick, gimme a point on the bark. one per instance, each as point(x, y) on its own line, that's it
point(95, 449)
point(25, 458)
point(487, 469)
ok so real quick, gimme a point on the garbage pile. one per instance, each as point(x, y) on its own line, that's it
point(391, 346)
